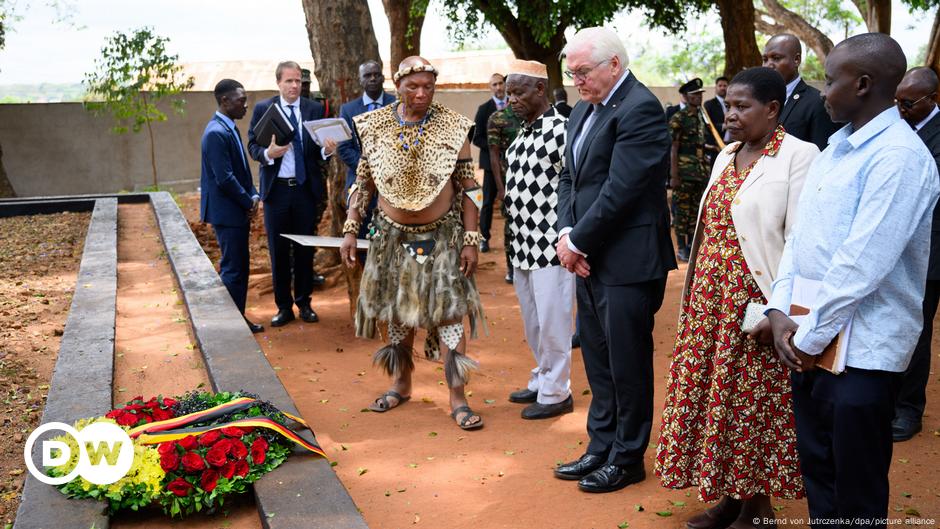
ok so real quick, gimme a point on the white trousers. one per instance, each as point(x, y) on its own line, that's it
point(546, 299)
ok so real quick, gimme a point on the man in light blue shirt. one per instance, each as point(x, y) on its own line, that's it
point(863, 231)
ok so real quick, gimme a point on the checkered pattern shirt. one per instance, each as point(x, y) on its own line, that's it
point(535, 159)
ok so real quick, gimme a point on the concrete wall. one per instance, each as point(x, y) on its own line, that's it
point(61, 149)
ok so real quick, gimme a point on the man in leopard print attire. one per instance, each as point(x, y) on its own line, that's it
point(424, 238)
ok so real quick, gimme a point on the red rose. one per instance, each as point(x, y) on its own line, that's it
point(134, 407)
point(146, 418)
point(180, 487)
point(247, 429)
point(159, 414)
point(209, 438)
point(241, 468)
point(233, 431)
point(216, 456)
point(168, 447)
point(138, 398)
point(258, 450)
point(128, 419)
point(169, 403)
point(228, 470)
point(188, 442)
point(169, 461)
point(209, 480)
point(238, 450)
point(224, 445)
point(192, 462)
point(114, 414)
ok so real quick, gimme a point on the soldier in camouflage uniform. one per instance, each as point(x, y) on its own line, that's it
point(688, 174)
point(501, 129)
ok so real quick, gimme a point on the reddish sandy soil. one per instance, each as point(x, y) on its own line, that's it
point(39, 260)
point(413, 467)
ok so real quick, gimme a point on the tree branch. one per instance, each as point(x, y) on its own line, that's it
point(806, 32)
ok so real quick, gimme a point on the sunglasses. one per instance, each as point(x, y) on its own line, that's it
point(907, 104)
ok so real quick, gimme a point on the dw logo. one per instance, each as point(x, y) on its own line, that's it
point(106, 453)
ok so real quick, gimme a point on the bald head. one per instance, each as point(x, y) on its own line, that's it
point(916, 96)
point(783, 53)
point(862, 73)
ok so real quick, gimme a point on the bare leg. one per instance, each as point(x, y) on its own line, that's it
point(465, 418)
point(401, 377)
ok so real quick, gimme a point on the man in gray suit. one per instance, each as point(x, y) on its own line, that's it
point(613, 225)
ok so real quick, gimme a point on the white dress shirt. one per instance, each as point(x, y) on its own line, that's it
point(791, 86)
point(934, 112)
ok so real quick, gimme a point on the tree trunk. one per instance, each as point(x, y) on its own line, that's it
point(789, 21)
point(405, 30)
point(877, 14)
point(737, 25)
point(933, 50)
point(6, 189)
point(341, 38)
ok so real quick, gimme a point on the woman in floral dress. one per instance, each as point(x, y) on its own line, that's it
point(727, 425)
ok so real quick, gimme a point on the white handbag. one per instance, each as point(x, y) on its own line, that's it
point(753, 315)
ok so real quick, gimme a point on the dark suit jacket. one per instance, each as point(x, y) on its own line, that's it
point(930, 133)
point(671, 111)
point(614, 195)
point(716, 113)
point(563, 108)
point(350, 151)
point(479, 131)
point(805, 116)
point(225, 183)
point(309, 110)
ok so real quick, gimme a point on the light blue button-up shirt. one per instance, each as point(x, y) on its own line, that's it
point(863, 230)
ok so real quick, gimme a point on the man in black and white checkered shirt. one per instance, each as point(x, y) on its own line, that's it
point(545, 289)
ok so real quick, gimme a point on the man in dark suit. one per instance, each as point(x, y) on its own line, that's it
point(491, 187)
point(228, 198)
point(804, 114)
point(373, 97)
point(672, 109)
point(613, 225)
point(916, 99)
point(715, 107)
point(291, 187)
point(561, 101)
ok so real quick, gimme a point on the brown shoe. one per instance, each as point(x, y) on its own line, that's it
point(718, 517)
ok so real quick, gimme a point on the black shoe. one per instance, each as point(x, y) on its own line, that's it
point(683, 255)
point(509, 277)
point(283, 317)
point(523, 396)
point(485, 246)
point(308, 315)
point(576, 341)
point(609, 478)
point(318, 280)
point(903, 428)
point(254, 327)
point(547, 411)
point(578, 469)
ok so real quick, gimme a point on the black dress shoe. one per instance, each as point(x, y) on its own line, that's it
point(254, 327)
point(903, 428)
point(484, 246)
point(578, 469)
point(508, 277)
point(318, 280)
point(523, 396)
point(283, 317)
point(308, 315)
point(547, 411)
point(576, 341)
point(609, 478)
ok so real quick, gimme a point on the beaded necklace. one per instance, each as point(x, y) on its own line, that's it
point(408, 144)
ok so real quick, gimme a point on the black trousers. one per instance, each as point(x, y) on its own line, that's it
point(616, 327)
point(234, 265)
point(290, 209)
point(912, 395)
point(489, 197)
point(843, 435)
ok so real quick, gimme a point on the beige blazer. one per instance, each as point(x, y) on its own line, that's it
point(764, 208)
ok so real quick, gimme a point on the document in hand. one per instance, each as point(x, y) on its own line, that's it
point(274, 122)
point(329, 128)
point(802, 301)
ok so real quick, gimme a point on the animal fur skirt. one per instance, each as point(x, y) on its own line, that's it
point(412, 277)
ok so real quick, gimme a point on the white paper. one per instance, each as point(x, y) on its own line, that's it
point(335, 129)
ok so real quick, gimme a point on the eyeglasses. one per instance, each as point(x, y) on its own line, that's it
point(582, 74)
point(907, 104)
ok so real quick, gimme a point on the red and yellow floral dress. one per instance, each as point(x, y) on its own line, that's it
point(727, 425)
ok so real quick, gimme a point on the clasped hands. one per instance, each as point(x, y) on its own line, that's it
point(573, 262)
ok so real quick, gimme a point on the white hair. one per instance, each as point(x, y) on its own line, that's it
point(603, 43)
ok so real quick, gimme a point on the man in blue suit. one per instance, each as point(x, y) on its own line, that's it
point(373, 97)
point(291, 187)
point(228, 196)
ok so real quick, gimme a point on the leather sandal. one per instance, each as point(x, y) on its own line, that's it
point(465, 423)
point(382, 405)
